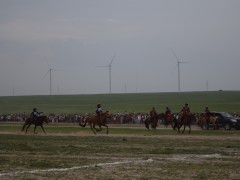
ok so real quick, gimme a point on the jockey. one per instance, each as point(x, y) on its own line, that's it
point(153, 114)
point(168, 111)
point(185, 111)
point(98, 111)
point(207, 112)
point(35, 114)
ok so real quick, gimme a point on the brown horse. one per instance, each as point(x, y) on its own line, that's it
point(93, 120)
point(38, 122)
point(203, 121)
point(184, 120)
point(168, 119)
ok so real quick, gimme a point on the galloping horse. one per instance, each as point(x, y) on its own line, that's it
point(184, 120)
point(38, 122)
point(151, 121)
point(93, 120)
point(168, 119)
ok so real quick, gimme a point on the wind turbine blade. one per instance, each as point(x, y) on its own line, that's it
point(56, 69)
point(112, 60)
point(103, 66)
point(49, 66)
point(175, 55)
point(45, 74)
point(184, 62)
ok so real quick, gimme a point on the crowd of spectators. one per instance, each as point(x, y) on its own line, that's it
point(118, 118)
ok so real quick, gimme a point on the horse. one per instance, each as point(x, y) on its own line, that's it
point(151, 121)
point(203, 121)
point(168, 119)
point(184, 120)
point(37, 122)
point(93, 120)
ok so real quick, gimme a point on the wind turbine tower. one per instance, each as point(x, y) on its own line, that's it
point(110, 73)
point(178, 66)
point(50, 76)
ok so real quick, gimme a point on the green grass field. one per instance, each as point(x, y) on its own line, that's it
point(68, 151)
point(137, 102)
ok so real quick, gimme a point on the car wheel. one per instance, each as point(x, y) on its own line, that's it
point(227, 126)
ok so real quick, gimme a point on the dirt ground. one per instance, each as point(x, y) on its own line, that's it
point(223, 164)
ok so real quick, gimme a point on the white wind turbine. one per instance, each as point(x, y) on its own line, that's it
point(110, 73)
point(178, 65)
point(50, 76)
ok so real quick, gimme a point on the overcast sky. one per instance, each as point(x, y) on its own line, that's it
point(77, 37)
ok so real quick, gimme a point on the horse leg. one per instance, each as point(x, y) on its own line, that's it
point(189, 129)
point(35, 129)
point(146, 124)
point(179, 125)
point(106, 127)
point(97, 130)
point(24, 127)
point(172, 126)
point(27, 128)
point(43, 129)
point(92, 128)
point(184, 128)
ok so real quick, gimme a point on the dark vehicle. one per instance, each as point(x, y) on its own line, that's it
point(227, 121)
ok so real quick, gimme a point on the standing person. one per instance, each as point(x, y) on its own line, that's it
point(185, 111)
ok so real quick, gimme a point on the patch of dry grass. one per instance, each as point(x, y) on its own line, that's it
point(119, 156)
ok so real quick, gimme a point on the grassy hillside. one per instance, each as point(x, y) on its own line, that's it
point(137, 102)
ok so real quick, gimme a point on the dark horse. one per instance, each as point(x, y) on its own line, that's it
point(168, 119)
point(153, 121)
point(38, 122)
point(93, 120)
point(184, 120)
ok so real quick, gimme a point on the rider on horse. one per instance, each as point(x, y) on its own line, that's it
point(35, 114)
point(98, 111)
point(207, 114)
point(167, 112)
point(153, 114)
point(185, 111)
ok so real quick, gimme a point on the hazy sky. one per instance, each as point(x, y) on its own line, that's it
point(76, 37)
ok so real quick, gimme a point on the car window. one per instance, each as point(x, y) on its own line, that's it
point(227, 115)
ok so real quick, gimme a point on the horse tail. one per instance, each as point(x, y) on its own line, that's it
point(23, 127)
point(146, 122)
point(82, 125)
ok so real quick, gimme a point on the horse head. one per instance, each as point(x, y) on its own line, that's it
point(44, 119)
point(108, 114)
